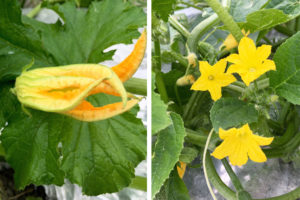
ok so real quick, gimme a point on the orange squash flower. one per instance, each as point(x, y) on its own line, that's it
point(63, 89)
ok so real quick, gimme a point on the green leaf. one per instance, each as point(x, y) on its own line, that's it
point(8, 103)
point(240, 9)
point(173, 189)
point(231, 112)
point(86, 34)
point(188, 154)
point(163, 8)
point(264, 19)
point(286, 79)
point(19, 43)
point(289, 7)
point(99, 156)
point(82, 38)
point(160, 118)
point(31, 147)
point(166, 152)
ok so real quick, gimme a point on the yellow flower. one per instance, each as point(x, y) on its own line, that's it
point(251, 62)
point(240, 143)
point(213, 78)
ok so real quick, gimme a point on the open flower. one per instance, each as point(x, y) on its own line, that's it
point(63, 89)
point(240, 143)
point(213, 78)
point(251, 62)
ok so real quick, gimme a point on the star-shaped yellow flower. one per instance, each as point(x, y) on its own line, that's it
point(240, 143)
point(213, 78)
point(251, 62)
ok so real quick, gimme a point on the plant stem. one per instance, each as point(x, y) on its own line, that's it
point(179, 27)
point(200, 30)
point(158, 74)
point(139, 183)
point(235, 180)
point(204, 166)
point(284, 30)
point(136, 86)
point(34, 11)
point(227, 193)
point(235, 88)
point(226, 18)
point(191, 5)
point(181, 59)
point(195, 138)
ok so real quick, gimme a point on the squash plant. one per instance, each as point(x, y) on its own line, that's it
point(225, 85)
point(49, 133)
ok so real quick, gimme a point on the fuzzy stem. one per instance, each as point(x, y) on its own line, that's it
point(139, 183)
point(179, 27)
point(226, 18)
point(136, 86)
point(204, 166)
point(200, 30)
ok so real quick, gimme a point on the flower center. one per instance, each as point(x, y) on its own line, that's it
point(211, 77)
point(252, 69)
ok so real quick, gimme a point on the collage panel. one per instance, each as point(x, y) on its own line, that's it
point(225, 99)
point(73, 93)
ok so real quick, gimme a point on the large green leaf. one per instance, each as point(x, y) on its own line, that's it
point(289, 7)
point(173, 189)
point(166, 152)
point(99, 156)
point(240, 9)
point(286, 79)
point(86, 34)
point(18, 43)
point(231, 112)
point(163, 8)
point(82, 38)
point(264, 19)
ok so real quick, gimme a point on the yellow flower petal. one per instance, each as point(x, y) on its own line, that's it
point(262, 141)
point(204, 67)
point(200, 84)
point(223, 150)
point(268, 65)
point(255, 153)
point(239, 157)
point(223, 134)
point(87, 112)
point(220, 66)
point(247, 49)
point(234, 58)
point(263, 52)
point(215, 92)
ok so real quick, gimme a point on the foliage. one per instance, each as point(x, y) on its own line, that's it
point(267, 102)
point(46, 148)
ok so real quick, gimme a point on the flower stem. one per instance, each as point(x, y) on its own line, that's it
point(204, 167)
point(200, 30)
point(226, 18)
point(235, 88)
point(139, 183)
point(179, 27)
point(136, 86)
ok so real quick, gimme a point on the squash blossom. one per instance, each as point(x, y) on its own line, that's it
point(63, 89)
point(240, 143)
point(251, 62)
point(213, 78)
